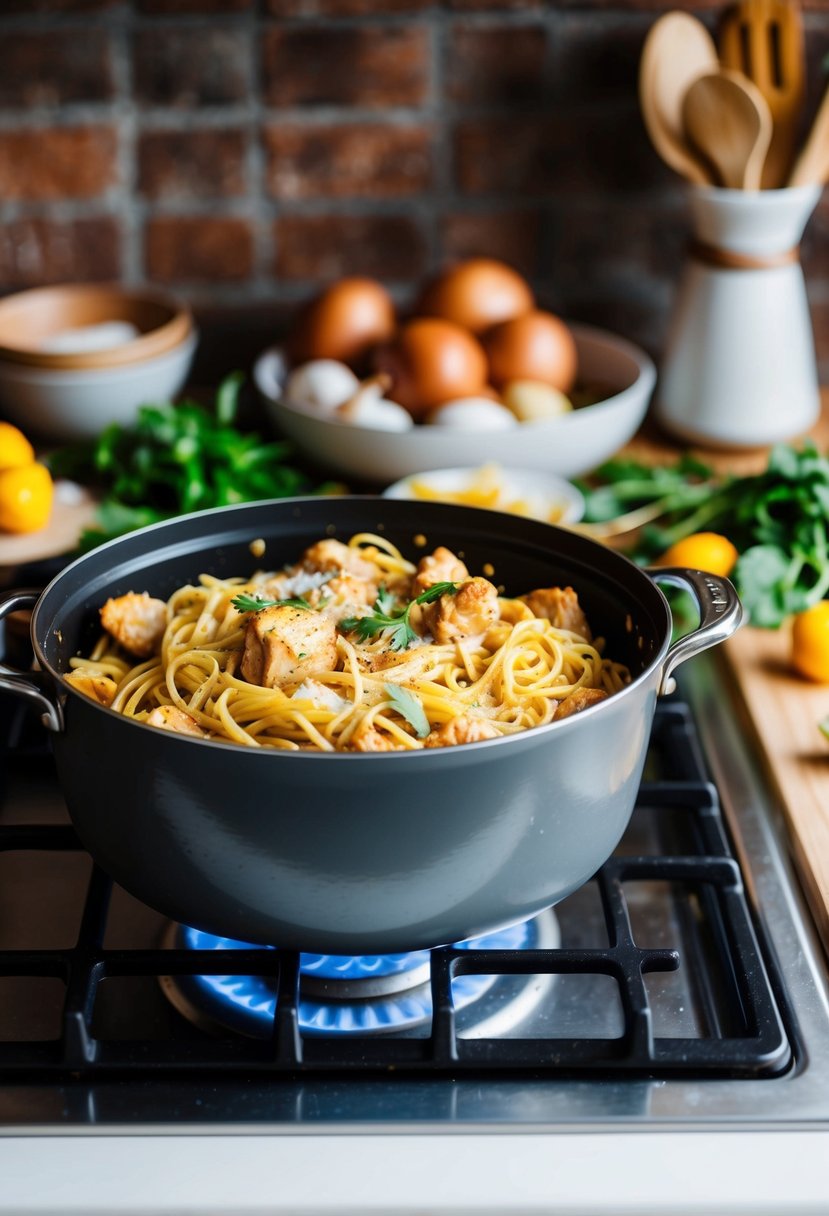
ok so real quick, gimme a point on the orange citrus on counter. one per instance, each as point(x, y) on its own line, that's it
point(25, 498)
point(810, 642)
point(706, 551)
point(15, 449)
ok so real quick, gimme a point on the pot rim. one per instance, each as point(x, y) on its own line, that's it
point(66, 689)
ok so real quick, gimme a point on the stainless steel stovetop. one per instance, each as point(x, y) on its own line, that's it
point(682, 987)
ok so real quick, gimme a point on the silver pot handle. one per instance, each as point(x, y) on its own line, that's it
point(720, 612)
point(30, 685)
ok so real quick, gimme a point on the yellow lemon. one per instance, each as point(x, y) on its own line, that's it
point(25, 498)
point(15, 449)
point(706, 551)
point(810, 642)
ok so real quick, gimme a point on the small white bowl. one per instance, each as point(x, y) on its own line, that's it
point(60, 404)
point(568, 445)
point(541, 495)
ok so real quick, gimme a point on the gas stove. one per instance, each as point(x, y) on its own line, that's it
point(680, 990)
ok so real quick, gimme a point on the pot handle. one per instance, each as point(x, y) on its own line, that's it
point(29, 684)
point(720, 611)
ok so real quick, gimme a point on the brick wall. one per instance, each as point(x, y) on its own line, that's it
point(245, 151)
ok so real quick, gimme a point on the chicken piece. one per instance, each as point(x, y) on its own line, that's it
point(342, 596)
point(285, 644)
point(581, 699)
point(561, 607)
point(442, 566)
point(373, 740)
point(461, 730)
point(334, 555)
point(469, 611)
point(100, 688)
point(137, 622)
point(170, 717)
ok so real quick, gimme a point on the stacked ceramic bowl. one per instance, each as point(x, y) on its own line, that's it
point(75, 358)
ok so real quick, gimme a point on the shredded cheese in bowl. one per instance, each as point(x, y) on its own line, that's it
point(514, 491)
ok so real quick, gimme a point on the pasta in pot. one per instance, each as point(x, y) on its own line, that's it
point(352, 649)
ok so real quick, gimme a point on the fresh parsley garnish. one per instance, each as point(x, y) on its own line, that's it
point(409, 707)
point(255, 603)
point(383, 617)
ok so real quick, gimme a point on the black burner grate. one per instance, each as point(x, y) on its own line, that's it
point(739, 1031)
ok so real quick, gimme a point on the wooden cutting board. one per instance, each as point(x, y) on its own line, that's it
point(785, 711)
point(783, 708)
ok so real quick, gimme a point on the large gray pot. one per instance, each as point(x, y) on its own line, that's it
point(357, 853)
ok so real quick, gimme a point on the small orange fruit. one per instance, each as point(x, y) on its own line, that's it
point(25, 498)
point(810, 642)
point(15, 449)
point(706, 551)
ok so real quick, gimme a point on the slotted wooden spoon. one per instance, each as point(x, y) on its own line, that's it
point(678, 48)
point(763, 39)
point(728, 120)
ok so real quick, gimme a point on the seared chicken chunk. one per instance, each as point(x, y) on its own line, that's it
point(342, 596)
point(582, 698)
point(373, 740)
point(137, 622)
point(100, 688)
point(561, 607)
point(334, 555)
point(469, 611)
point(285, 644)
point(461, 730)
point(442, 566)
point(170, 717)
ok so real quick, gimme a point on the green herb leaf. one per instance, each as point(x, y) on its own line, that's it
point(396, 625)
point(409, 706)
point(255, 603)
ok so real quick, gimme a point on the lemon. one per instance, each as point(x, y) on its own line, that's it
point(15, 449)
point(810, 642)
point(706, 551)
point(25, 498)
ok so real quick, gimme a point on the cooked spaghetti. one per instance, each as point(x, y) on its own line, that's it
point(352, 649)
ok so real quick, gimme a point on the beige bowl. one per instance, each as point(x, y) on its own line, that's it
point(31, 321)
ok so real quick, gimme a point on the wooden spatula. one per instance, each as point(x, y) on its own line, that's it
point(812, 165)
point(763, 39)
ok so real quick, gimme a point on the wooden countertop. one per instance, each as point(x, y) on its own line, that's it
point(784, 708)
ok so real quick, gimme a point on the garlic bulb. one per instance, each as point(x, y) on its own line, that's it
point(473, 414)
point(368, 407)
point(533, 401)
point(321, 385)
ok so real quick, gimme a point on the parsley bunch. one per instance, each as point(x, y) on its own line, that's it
point(777, 519)
point(176, 458)
point(395, 623)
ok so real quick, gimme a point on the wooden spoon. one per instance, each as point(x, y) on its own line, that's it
point(763, 39)
point(727, 119)
point(812, 165)
point(677, 50)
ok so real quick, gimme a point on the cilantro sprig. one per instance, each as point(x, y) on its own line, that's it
point(384, 619)
point(255, 603)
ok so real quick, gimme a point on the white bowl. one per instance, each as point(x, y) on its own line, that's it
point(542, 495)
point(59, 404)
point(569, 445)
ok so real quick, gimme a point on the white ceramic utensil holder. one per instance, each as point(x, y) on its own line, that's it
point(739, 368)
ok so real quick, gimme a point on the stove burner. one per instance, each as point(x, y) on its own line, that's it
point(361, 994)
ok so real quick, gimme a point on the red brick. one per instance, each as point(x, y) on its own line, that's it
point(617, 240)
point(344, 8)
point(491, 6)
point(512, 236)
point(364, 160)
point(63, 162)
point(199, 249)
point(367, 66)
point(50, 69)
point(10, 8)
point(192, 164)
point(597, 56)
point(327, 247)
point(192, 66)
point(37, 251)
point(570, 149)
point(176, 7)
point(502, 63)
